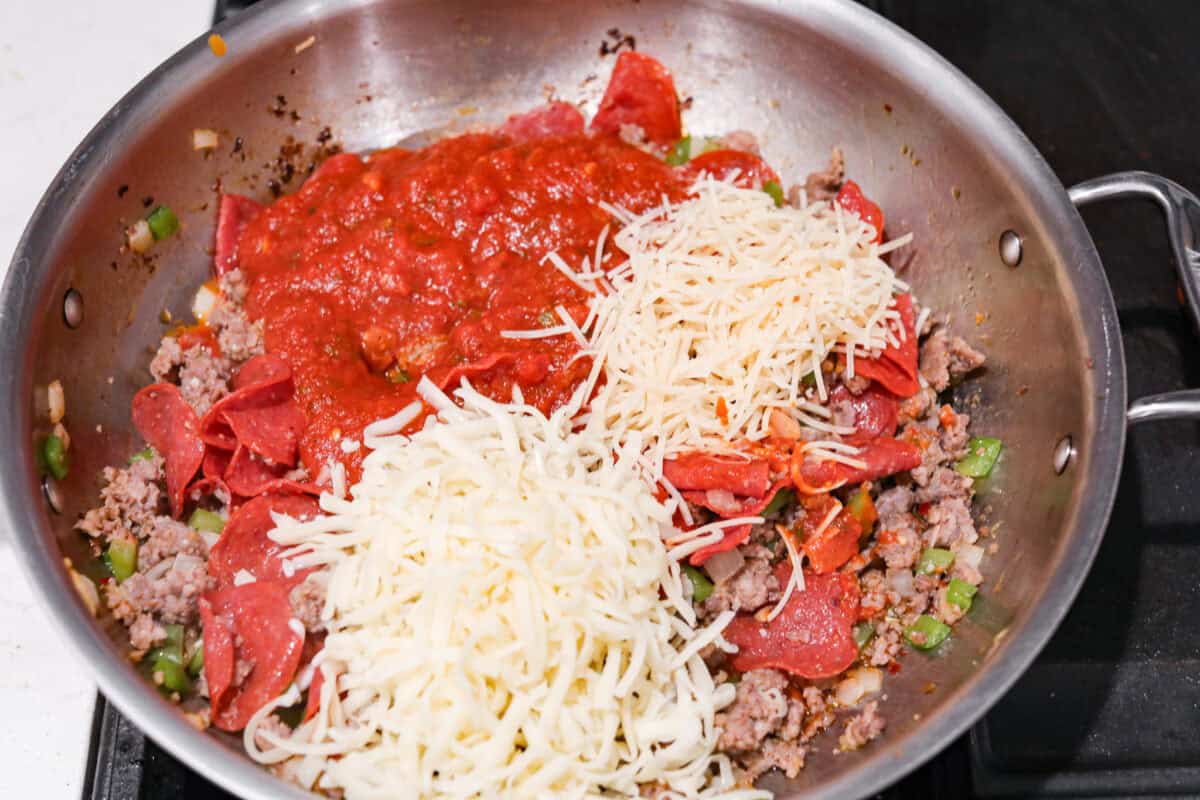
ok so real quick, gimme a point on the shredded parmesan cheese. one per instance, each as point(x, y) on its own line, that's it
point(726, 296)
point(504, 620)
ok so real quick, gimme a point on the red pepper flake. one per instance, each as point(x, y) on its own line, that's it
point(722, 411)
point(217, 45)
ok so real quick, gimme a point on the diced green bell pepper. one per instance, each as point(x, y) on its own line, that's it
point(681, 152)
point(701, 586)
point(781, 499)
point(961, 594)
point(934, 559)
point(145, 454)
point(981, 456)
point(863, 632)
point(162, 222)
point(775, 190)
point(927, 632)
point(52, 457)
point(121, 558)
point(204, 520)
point(196, 663)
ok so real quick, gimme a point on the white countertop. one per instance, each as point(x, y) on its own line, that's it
point(61, 68)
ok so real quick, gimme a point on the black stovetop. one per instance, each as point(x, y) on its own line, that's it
point(1112, 707)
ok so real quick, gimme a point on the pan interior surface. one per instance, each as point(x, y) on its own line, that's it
point(938, 157)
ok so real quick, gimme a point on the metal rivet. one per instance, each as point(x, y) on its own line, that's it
point(1064, 454)
point(53, 494)
point(73, 308)
point(1010, 248)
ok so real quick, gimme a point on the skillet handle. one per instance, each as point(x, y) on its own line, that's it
point(1182, 210)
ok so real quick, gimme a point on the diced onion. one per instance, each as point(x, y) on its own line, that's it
point(139, 236)
point(185, 562)
point(84, 587)
point(722, 566)
point(857, 684)
point(204, 139)
point(203, 303)
point(56, 399)
point(970, 554)
point(901, 580)
point(61, 432)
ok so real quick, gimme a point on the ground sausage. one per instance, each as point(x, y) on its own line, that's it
point(945, 359)
point(862, 728)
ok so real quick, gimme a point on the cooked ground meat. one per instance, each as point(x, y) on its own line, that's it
point(862, 728)
point(758, 710)
point(945, 359)
point(274, 725)
point(818, 712)
point(885, 645)
point(955, 436)
point(788, 756)
point(892, 505)
point(239, 338)
point(915, 407)
point(900, 544)
point(308, 599)
point(950, 522)
point(824, 184)
point(233, 287)
point(203, 378)
point(145, 632)
point(750, 588)
point(168, 538)
point(946, 611)
point(170, 597)
point(131, 498)
point(943, 483)
point(745, 141)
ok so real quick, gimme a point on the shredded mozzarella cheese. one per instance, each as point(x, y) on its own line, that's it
point(726, 296)
point(504, 620)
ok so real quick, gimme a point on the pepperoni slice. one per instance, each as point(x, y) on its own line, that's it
point(851, 198)
point(896, 367)
point(260, 414)
point(703, 471)
point(168, 423)
point(883, 456)
point(249, 476)
point(553, 119)
point(734, 537)
point(247, 624)
point(811, 637)
point(752, 172)
point(233, 215)
point(832, 546)
point(876, 412)
point(245, 545)
point(641, 92)
point(729, 506)
point(449, 380)
point(313, 705)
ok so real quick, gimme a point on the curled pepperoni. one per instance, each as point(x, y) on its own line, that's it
point(752, 172)
point(245, 545)
point(553, 119)
point(260, 414)
point(851, 198)
point(875, 411)
point(831, 546)
point(641, 92)
point(233, 215)
point(168, 423)
point(247, 624)
point(703, 471)
point(896, 367)
point(883, 456)
point(811, 637)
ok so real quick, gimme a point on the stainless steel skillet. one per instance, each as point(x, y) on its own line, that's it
point(941, 159)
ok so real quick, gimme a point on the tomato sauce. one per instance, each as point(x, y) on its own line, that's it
point(387, 267)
